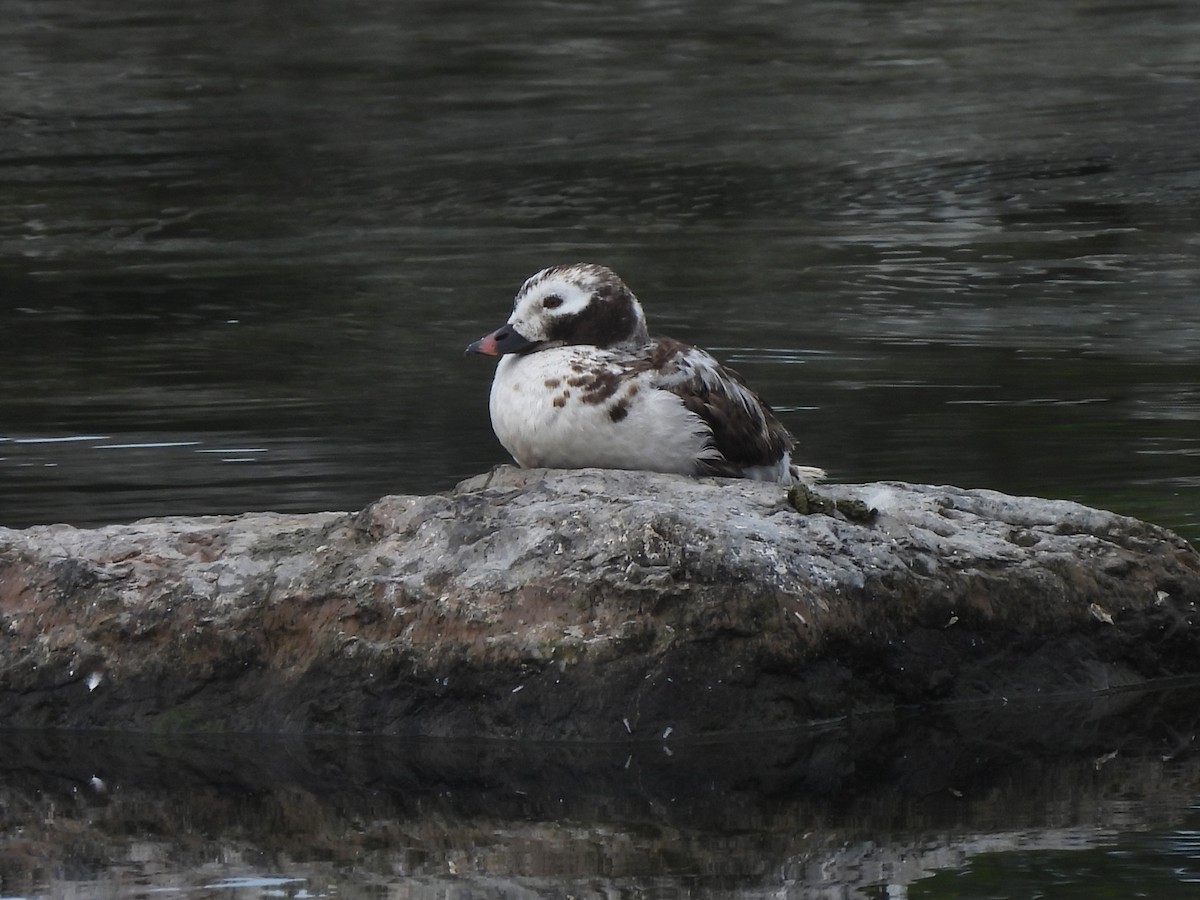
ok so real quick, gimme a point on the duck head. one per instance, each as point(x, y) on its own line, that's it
point(563, 305)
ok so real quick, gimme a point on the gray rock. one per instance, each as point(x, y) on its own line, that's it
point(587, 604)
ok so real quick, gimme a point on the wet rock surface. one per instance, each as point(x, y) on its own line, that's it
point(587, 604)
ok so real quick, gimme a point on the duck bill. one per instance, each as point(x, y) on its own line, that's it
point(504, 339)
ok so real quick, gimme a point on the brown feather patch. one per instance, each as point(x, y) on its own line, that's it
point(744, 428)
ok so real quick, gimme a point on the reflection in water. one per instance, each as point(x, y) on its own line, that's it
point(864, 808)
point(967, 235)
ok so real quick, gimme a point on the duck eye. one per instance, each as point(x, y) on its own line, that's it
point(552, 302)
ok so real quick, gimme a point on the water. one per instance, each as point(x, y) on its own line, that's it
point(243, 245)
point(1062, 798)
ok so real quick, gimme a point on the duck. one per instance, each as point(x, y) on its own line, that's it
point(580, 383)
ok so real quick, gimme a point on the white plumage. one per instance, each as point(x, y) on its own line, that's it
point(581, 383)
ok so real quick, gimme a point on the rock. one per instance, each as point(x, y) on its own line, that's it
point(587, 604)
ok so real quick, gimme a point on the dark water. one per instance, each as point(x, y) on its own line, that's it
point(998, 801)
point(242, 246)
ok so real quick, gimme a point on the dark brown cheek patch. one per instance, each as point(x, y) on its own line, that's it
point(618, 411)
point(608, 320)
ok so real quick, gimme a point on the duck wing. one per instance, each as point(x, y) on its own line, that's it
point(744, 429)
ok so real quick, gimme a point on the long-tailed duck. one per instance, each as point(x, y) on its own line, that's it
point(581, 383)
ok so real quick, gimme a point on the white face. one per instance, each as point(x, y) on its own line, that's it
point(546, 299)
